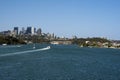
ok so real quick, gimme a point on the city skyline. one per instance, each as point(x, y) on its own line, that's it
point(83, 18)
point(23, 31)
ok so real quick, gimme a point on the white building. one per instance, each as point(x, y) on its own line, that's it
point(32, 30)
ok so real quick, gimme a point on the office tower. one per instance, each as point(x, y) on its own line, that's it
point(16, 30)
point(30, 30)
point(39, 31)
point(23, 30)
point(34, 30)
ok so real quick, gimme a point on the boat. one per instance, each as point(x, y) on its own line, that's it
point(18, 46)
point(48, 47)
point(4, 44)
point(34, 46)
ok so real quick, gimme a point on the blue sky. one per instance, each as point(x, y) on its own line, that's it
point(83, 18)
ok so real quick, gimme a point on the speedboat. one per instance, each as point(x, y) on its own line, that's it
point(34, 46)
point(4, 44)
point(48, 47)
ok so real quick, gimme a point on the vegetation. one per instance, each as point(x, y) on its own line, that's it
point(10, 40)
point(91, 41)
point(23, 39)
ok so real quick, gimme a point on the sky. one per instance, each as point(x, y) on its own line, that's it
point(83, 18)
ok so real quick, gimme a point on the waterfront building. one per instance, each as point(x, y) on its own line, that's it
point(65, 42)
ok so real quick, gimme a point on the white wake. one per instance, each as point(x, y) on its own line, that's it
point(29, 51)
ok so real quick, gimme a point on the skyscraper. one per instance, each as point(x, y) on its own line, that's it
point(23, 30)
point(16, 30)
point(30, 30)
point(39, 31)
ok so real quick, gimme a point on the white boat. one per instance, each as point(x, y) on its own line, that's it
point(48, 47)
point(34, 46)
point(18, 46)
point(4, 44)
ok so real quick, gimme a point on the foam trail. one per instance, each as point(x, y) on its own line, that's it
point(10, 54)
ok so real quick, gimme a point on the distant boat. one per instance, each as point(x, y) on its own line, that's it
point(46, 48)
point(34, 46)
point(18, 46)
point(4, 44)
point(81, 46)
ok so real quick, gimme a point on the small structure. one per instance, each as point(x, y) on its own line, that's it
point(61, 42)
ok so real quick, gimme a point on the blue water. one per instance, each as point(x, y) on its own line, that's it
point(61, 62)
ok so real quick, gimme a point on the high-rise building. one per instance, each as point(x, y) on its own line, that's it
point(39, 31)
point(16, 30)
point(23, 30)
point(34, 30)
point(30, 30)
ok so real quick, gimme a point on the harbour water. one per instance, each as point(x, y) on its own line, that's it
point(60, 62)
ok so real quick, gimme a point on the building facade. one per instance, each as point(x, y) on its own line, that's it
point(16, 30)
point(30, 30)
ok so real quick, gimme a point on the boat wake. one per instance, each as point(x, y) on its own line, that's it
point(29, 51)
